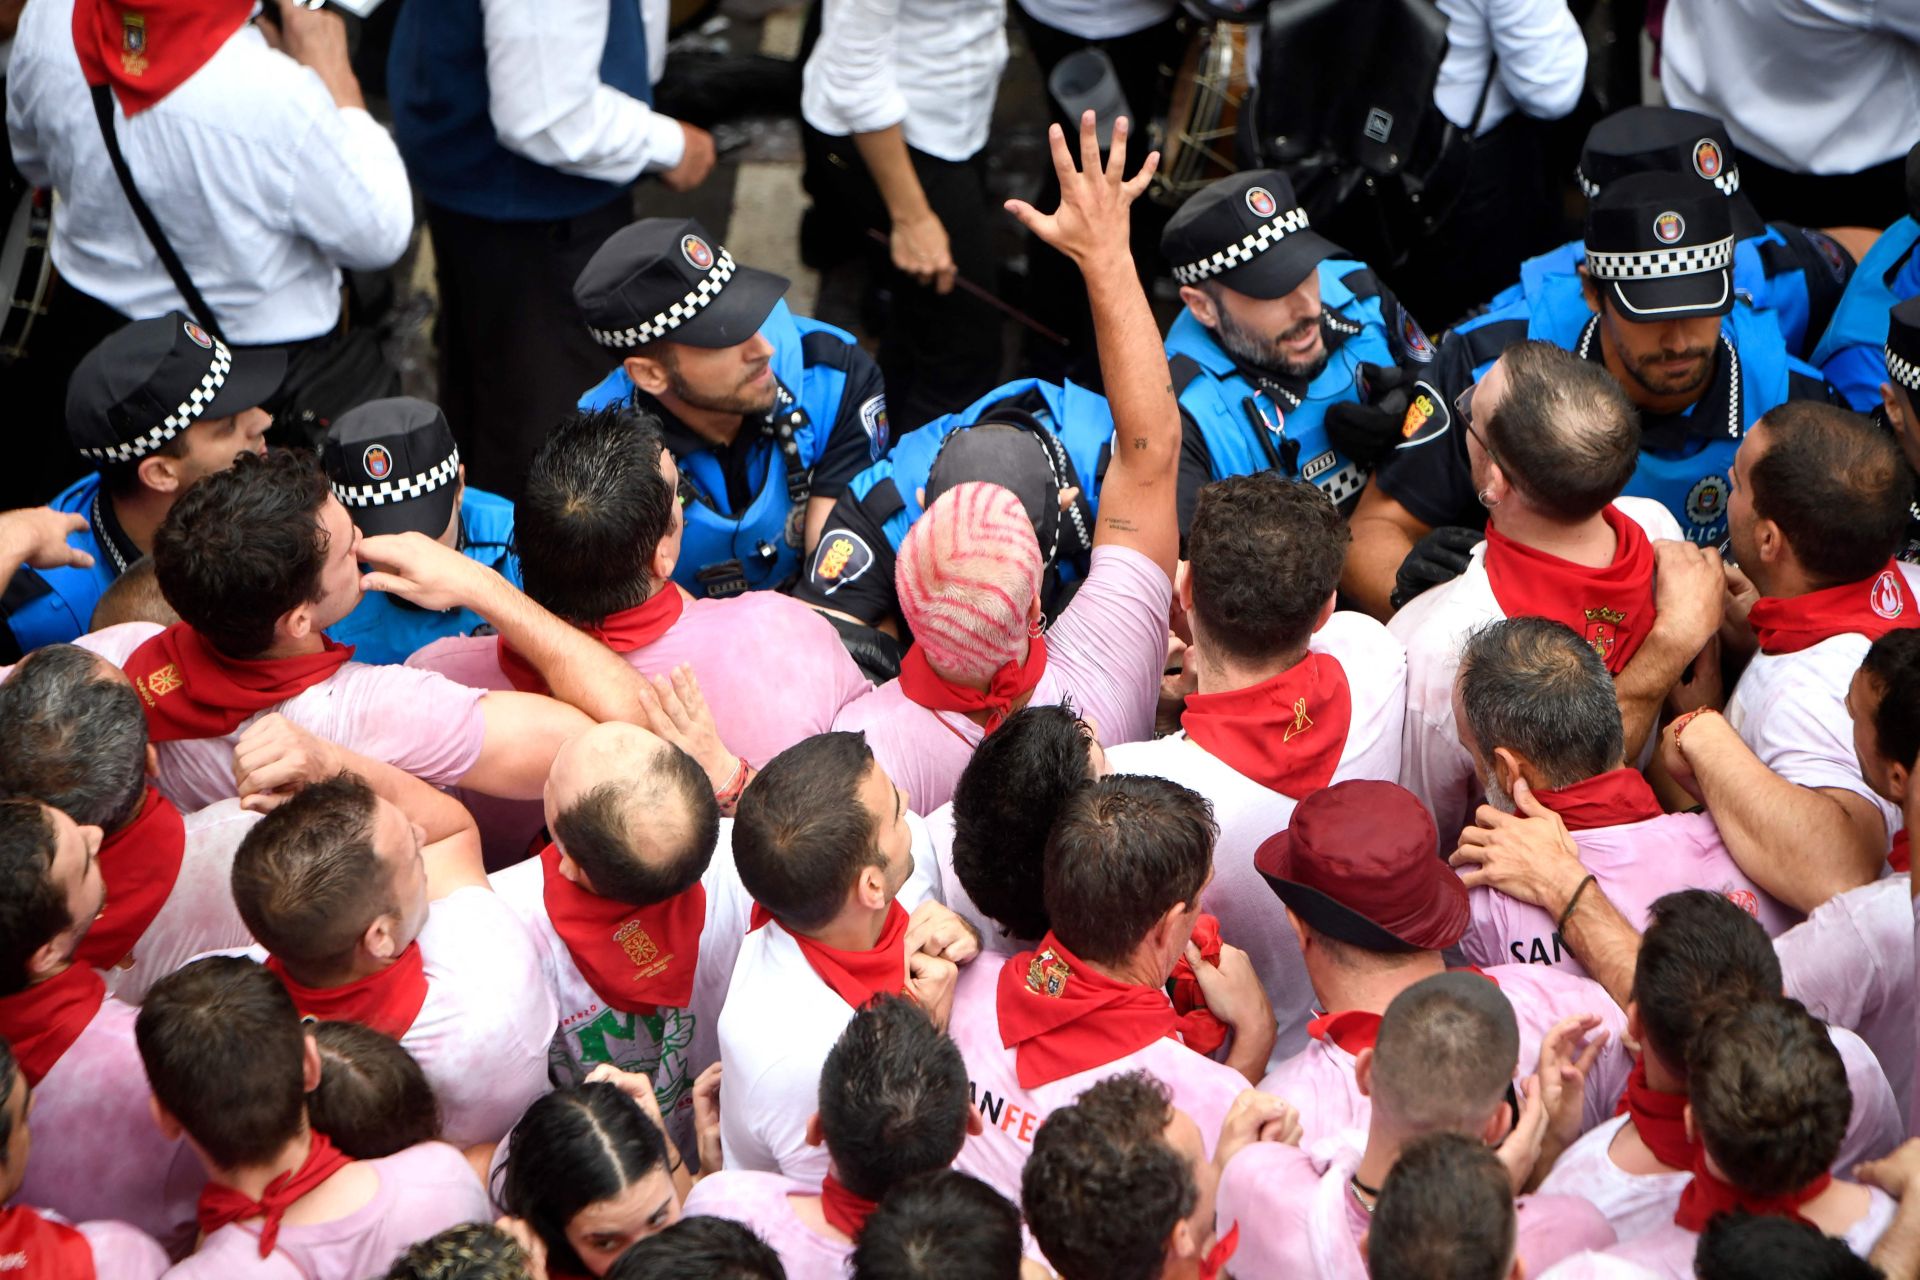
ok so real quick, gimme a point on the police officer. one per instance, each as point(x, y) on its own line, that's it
point(1796, 273)
point(1047, 443)
point(1850, 353)
point(1900, 395)
point(394, 467)
point(157, 405)
point(1662, 316)
point(768, 414)
point(1280, 341)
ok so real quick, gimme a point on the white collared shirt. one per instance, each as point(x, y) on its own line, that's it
point(1543, 60)
point(265, 187)
point(1101, 20)
point(931, 66)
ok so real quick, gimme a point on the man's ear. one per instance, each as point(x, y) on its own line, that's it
point(1499, 1124)
point(310, 1065)
point(1899, 778)
point(571, 872)
point(870, 888)
point(153, 762)
point(1326, 610)
point(1363, 1072)
point(1183, 1243)
point(1183, 586)
point(1769, 541)
point(1506, 768)
point(1589, 289)
point(975, 1125)
point(379, 940)
point(162, 474)
point(647, 373)
point(1686, 1118)
point(815, 1135)
point(295, 624)
point(47, 957)
point(1202, 306)
point(163, 1120)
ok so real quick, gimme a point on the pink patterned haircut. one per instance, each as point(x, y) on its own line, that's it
point(967, 574)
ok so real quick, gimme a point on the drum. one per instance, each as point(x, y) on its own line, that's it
point(1196, 140)
point(26, 270)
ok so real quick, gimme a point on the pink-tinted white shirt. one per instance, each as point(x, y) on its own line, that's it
point(199, 915)
point(1667, 1250)
point(414, 720)
point(1319, 1079)
point(97, 1153)
point(1636, 1203)
point(992, 937)
point(763, 1202)
point(1010, 1114)
point(1105, 654)
point(1298, 1215)
point(1633, 864)
point(423, 1191)
point(1251, 917)
point(1851, 964)
point(1434, 626)
point(120, 1252)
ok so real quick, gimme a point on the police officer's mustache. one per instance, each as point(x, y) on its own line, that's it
point(1301, 330)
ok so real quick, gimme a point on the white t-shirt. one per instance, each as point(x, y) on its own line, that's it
point(992, 937)
point(1101, 20)
point(1667, 1250)
point(930, 66)
point(199, 915)
point(763, 1203)
point(1434, 627)
point(673, 1045)
point(1251, 917)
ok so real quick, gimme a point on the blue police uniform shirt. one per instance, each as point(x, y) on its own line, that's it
point(1685, 459)
point(1852, 355)
point(745, 504)
point(1237, 421)
point(52, 606)
point(1796, 274)
point(383, 629)
point(851, 571)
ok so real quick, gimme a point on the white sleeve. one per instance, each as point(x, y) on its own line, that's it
point(349, 192)
point(549, 104)
point(852, 74)
point(1543, 56)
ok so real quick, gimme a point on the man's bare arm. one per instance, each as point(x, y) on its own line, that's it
point(1383, 532)
point(1689, 594)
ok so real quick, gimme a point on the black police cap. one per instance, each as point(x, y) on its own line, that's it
point(394, 466)
point(666, 279)
point(1667, 140)
point(1662, 246)
point(148, 382)
point(1247, 232)
point(1903, 346)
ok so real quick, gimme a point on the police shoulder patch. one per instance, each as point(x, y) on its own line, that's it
point(843, 556)
point(1428, 417)
point(873, 420)
point(1419, 347)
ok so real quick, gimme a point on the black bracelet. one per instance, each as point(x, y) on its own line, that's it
point(1572, 902)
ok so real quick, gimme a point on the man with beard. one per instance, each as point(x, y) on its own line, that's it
point(1281, 341)
point(1661, 315)
point(768, 415)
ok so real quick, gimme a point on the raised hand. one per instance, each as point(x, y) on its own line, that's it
point(1090, 226)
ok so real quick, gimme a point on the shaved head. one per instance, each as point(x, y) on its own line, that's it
point(1446, 1052)
point(634, 813)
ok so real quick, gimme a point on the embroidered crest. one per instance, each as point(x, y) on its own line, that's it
point(199, 336)
point(1047, 974)
point(696, 251)
point(163, 682)
point(1706, 158)
point(1419, 346)
point(377, 461)
point(133, 43)
point(640, 949)
point(1425, 419)
point(873, 418)
point(1886, 596)
point(1669, 227)
point(1707, 500)
point(1600, 629)
point(1261, 202)
point(1301, 720)
point(843, 557)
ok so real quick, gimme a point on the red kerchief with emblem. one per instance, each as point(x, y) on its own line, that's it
point(191, 690)
point(1060, 1017)
point(145, 49)
point(628, 631)
point(635, 958)
point(1286, 733)
point(1611, 608)
point(1871, 608)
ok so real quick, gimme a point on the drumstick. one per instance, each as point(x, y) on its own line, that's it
point(1004, 308)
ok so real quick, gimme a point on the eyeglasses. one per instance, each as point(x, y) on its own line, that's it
point(1463, 410)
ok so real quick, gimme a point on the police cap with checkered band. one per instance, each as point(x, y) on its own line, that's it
point(394, 467)
point(667, 280)
point(1903, 347)
point(1661, 246)
point(1667, 140)
point(1247, 232)
point(148, 382)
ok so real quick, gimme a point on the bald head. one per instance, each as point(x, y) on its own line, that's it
point(634, 813)
point(1561, 429)
point(1446, 1052)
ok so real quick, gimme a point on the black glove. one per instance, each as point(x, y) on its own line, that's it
point(1368, 429)
point(1439, 557)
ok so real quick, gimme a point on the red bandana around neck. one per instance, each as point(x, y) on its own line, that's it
point(1286, 733)
point(43, 1247)
point(1357, 1029)
point(844, 1211)
point(1214, 1265)
point(1611, 799)
point(1900, 857)
point(1061, 1018)
point(1200, 1028)
point(1872, 607)
point(856, 976)
point(1659, 1118)
point(928, 688)
point(139, 863)
point(190, 690)
point(635, 958)
point(387, 1001)
point(1611, 608)
point(42, 1022)
point(221, 1205)
point(1707, 1196)
point(624, 632)
point(146, 49)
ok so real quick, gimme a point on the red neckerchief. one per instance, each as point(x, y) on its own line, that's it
point(1900, 857)
point(1707, 1196)
point(1659, 1118)
point(1357, 1029)
point(857, 976)
point(1060, 1017)
point(844, 1211)
point(1871, 607)
point(191, 690)
point(1214, 1265)
point(1610, 799)
point(139, 863)
point(387, 1001)
point(1610, 608)
point(1200, 1028)
point(221, 1205)
point(1286, 733)
point(1015, 680)
point(42, 1022)
point(47, 1250)
point(146, 49)
point(634, 958)
point(623, 632)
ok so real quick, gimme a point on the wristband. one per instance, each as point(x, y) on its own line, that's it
point(728, 797)
point(1561, 926)
point(1680, 725)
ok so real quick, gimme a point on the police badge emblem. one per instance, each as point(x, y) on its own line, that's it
point(1669, 227)
point(1706, 158)
point(1261, 202)
point(377, 461)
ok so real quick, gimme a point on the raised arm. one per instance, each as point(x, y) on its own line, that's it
point(1138, 500)
point(1689, 592)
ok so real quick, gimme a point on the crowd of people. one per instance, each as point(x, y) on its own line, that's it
point(1342, 797)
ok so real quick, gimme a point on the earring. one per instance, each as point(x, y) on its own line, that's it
point(1486, 498)
point(1037, 627)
